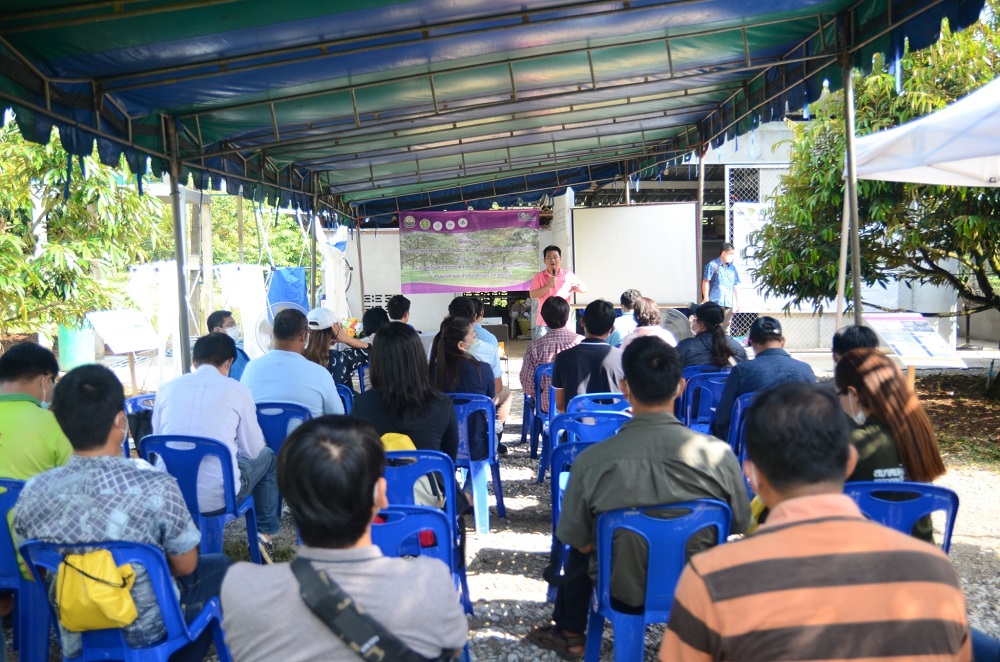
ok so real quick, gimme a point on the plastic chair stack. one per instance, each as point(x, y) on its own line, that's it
point(277, 420)
point(667, 543)
point(900, 505)
point(402, 471)
point(582, 426)
point(347, 397)
point(110, 644)
point(183, 455)
point(466, 406)
point(31, 615)
point(700, 398)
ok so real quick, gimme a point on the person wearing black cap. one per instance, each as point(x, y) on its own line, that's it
point(771, 365)
point(710, 345)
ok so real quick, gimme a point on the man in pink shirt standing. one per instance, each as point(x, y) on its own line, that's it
point(553, 281)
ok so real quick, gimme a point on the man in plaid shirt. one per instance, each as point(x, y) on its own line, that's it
point(555, 313)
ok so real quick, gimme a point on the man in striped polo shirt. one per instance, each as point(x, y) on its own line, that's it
point(818, 581)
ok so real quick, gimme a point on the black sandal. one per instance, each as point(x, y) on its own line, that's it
point(550, 638)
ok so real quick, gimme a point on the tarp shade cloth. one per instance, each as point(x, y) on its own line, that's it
point(957, 146)
point(288, 285)
point(391, 98)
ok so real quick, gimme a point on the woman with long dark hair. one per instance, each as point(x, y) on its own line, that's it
point(894, 437)
point(710, 344)
point(402, 398)
point(454, 370)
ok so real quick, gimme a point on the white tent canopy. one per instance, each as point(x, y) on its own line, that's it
point(958, 145)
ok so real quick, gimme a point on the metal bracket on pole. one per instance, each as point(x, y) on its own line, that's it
point(183, 340)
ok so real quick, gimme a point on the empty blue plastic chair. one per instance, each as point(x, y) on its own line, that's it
point(667, 542)
point(700, 398)
point(737, 424)
point(581, 426)
point(467, 405)
point(539, 417)
point(277, 420)
point(346, 396)
point(900, 505)
point(598, 402)
point(563, 457)
point(132, 406)
point(31, 613)
point(182, 455)
point(110, 644)
point(402, 471)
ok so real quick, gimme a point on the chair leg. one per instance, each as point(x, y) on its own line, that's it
point(251, 520)
point(212, 534)
point(629, 638)
point(480, 497)
point(536, 433)
point(466, 598)
point(543, 461)
point(33, 621)
point(219, 639)
point(595, 632)
point(498, 490)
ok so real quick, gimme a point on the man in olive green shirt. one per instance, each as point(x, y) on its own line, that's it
point(652, 460)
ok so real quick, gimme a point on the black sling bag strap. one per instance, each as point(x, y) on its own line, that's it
point(350, 622)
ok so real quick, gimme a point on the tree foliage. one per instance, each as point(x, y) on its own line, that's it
point(917, 233)
point(95, 225)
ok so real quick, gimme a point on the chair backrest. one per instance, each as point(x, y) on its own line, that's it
point(544, 370)
point(10, 573)
point(693, 370)
point(586, 426)
point(47, 556)
point(278, 419)
point(667, 542)
point(132, 405)
point(466, 405)
point(900, 505)
point(404, 468)
point(183, 455)
point(738, 422)
point(561, 461)
point(598, 402)
point(347, 396)
point(403, 533)
point(701, 396)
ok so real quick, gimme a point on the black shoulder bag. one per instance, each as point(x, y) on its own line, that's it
point(350, 622)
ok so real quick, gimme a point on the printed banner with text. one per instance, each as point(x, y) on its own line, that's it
point(459, 251)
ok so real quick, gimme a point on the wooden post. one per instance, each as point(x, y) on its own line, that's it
point(131, 370)
point(239, 222)
point(911, 376)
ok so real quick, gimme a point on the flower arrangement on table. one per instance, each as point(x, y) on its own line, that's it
point(352, 326)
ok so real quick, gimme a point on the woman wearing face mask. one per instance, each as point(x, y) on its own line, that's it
point(454, 370)
point(894, 437)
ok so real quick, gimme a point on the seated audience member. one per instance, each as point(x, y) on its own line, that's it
point(402, 398)
point(852, 337)
point(710, 344)
point(454, 370)
point(625, 324)
point(647, 319)
point(653, 460)
point(891, 432)
point(101, 496)
point(771, 365)
point(331, 473)
point(481, 333)
point(285, 375)
point(204, 403)
point(325, 330)
point(222, 321)
point(31, 440)
point(849, 588)
point(555, 312)
point(593, 366)
point(398, 308)
point(490, 353)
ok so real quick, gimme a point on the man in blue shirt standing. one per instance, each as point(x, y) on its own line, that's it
point(720, 278)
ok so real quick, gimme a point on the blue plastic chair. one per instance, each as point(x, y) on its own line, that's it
point(402, 470)
point(347, 397)
point(700, 398)
point(110, 644)
point(598, 402)
point(401, 533)
point(581, 426)
point(277, 420)
point(667, 542)
point(466, 405)
point(132, 406)
point(31, 614)
point(875, 500)
point(182, 455)
point(563, 457)
point(693, 370)
point(362, 370)
point(737, 424)
point(539, 417)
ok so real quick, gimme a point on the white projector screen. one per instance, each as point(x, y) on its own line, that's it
point(647, 247)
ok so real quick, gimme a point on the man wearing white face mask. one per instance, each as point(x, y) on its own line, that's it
point(31, 440)
point(222, 321)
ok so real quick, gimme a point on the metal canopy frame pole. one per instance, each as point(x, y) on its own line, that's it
point(699, 211)
point(852, 187)
point(183, 344)
point(312, 243)
point(845, 232)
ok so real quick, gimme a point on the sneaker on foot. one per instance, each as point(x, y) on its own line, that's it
point(501, 449)
point(266, 549)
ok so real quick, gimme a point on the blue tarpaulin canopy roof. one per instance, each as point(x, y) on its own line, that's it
point(428, 101)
